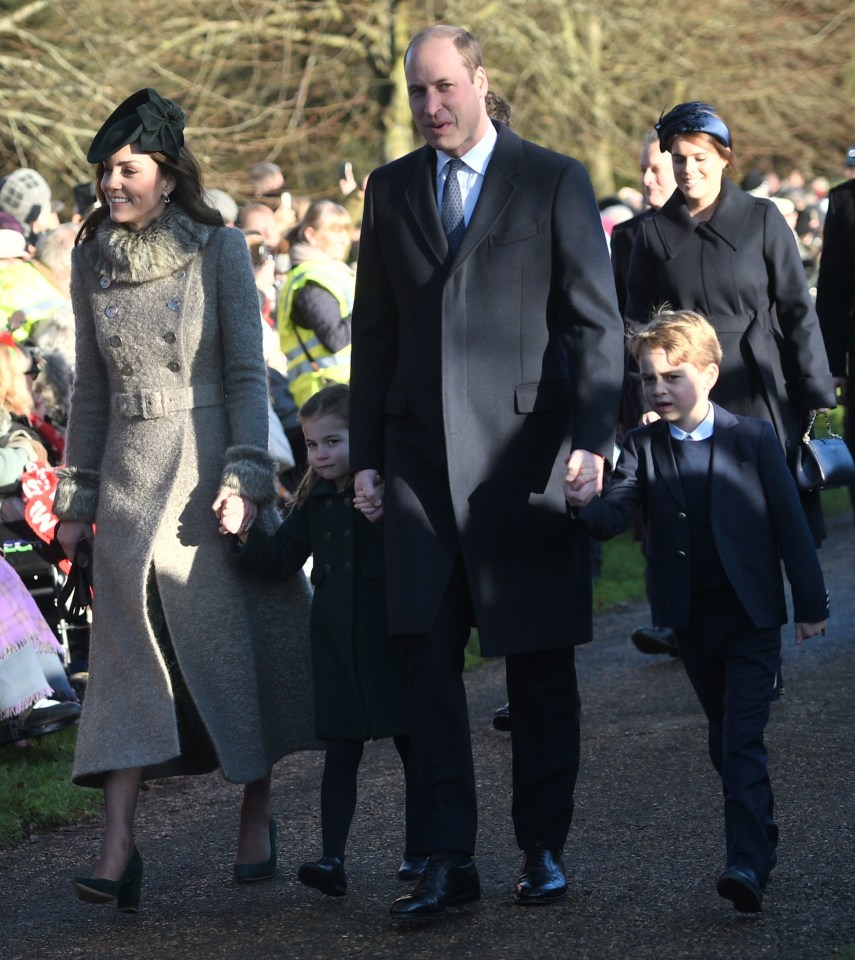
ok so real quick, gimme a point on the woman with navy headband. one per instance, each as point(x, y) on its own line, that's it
point(731, 256)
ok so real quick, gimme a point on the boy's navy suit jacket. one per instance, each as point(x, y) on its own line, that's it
point(757, 520)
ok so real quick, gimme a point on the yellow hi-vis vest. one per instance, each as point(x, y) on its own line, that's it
point(310, 365)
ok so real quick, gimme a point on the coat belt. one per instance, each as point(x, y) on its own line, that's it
point(152, 404)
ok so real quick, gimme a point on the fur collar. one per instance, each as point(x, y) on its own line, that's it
point(164, 246)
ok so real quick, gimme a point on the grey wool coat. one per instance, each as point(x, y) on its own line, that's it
point(169, 406)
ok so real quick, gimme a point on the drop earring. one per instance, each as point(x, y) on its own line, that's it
point(166, 198)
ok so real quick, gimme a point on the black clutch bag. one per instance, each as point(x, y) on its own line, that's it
point(76, 593)
point(823, 462)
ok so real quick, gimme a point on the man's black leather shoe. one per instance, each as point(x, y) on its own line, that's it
point(326, 875)
point(655, 640)
point(502, 719)
point(542, 879)
point(740, 884)
point(443, 884)
point(412, 867)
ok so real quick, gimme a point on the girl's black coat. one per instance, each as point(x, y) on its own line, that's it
point(358, 676)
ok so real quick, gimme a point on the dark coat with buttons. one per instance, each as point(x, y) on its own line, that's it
point(472, 379)
point(358, 674)
point(755, 515)
point(169, 406)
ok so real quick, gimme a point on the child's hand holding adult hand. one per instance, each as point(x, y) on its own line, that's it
point(368, 492)
point(584, 479)
point(805, 630)
point(236, 515)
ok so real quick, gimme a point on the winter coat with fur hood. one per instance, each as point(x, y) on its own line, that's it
point(169, 406)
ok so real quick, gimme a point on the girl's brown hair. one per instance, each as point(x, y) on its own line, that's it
point(333, 401)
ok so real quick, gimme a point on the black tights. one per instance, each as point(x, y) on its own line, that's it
point(338, 790)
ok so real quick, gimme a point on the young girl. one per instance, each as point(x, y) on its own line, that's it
point(358, 679)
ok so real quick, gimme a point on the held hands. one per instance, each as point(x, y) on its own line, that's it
point(368, 493)
point(235, 513)
point(584, 479)
point(805, 630)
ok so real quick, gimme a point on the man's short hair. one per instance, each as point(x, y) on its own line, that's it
point(685, 336)
point(467, 46)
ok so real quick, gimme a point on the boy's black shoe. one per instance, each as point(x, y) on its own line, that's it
point(655, 640)
point(502, 719)
point(740, 884)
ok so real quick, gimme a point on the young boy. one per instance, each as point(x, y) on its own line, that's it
point(721, 511)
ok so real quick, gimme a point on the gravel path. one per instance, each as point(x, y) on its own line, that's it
point(643, 856)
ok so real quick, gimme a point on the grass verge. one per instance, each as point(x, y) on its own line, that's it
point(35, 787)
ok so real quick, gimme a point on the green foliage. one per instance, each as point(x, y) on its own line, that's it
point(35, 787)
point(622, 579)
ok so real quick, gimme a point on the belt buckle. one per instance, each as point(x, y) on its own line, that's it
point(151, 405)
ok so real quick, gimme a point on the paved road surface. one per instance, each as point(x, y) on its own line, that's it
point(643, 856)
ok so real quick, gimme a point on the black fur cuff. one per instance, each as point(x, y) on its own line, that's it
point(76, 494)
point(251, 473)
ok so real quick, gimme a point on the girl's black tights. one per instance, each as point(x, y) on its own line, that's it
point(338, 790)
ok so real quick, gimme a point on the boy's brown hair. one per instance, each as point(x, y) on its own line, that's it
point(685, 336)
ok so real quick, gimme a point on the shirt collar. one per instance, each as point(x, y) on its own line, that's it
point(477, 158)
point(703, 431)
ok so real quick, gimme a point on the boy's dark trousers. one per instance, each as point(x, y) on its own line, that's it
point(732, 666)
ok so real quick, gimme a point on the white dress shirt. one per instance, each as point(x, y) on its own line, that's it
point(471, 177)
point(703, 431)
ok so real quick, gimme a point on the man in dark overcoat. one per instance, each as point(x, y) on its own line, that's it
point(476, 374)
point(835, 298)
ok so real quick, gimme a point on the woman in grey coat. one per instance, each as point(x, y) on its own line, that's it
point(193, 665)
point(730, 256)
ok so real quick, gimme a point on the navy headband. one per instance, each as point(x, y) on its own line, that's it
point(694, 117)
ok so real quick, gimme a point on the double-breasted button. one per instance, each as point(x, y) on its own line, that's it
point(347, 501)
point(127, 370)
point(327, 535)
point(328, 503)
point(181, 275)
point(346, 534)
point(328, 567)
point(173, 303)
point(681, 554)
point(169, 337)
point(347, 564)
point(681, 515)
point(115, 341)
point(111, 311)
point(174, 366)
point(104, 281)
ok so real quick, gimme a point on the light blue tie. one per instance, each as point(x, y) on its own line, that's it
point(452, 207)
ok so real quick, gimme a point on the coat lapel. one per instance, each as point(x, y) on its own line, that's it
point(674, 224)
point(421, 197)
point(496, 191)
point(663, 456)
point(724, 455)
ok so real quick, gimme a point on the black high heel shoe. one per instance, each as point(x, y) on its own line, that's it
point(249, 872)
point(126, 890)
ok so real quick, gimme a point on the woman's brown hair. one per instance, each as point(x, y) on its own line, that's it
point(187, 194)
